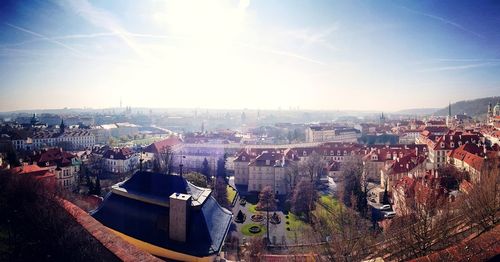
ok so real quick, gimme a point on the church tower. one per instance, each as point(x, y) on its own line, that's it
point(62, 126)
point(449, 117)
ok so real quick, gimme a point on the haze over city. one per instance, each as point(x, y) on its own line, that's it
point(249, 130)
point(328, 55)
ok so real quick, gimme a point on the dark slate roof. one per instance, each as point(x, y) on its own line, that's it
point(159, 186)
point(207, 227)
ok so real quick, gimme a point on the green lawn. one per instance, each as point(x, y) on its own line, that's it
point(244, 229)
point(231, 194)
point(330, 202)
point(295, 224)
point(251, 207)
point(147, 141)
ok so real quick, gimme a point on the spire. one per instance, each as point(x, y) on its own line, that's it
point(62, 126)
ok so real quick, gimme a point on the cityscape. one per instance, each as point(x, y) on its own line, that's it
point(239, 130)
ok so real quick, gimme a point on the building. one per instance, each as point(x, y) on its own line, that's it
point(120, 129)
point(375, 158)
point(411, 165)
point(424, 190)
point(330, 151)
point(72, 139)
point(258, 168)
point(43, 174)
point(330, 133)
point(270, 169)
point(193, 156)
point(63, 164)
point(472, 159)
point(493, 115)
point(166, 216)
point(241, 171)
point(120, 160)
point(440, 146)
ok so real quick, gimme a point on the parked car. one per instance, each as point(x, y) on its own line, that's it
point(385, 207)
point(389, 214)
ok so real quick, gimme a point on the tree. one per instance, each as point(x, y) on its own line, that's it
point(424, 226)
point(450, 177)
point(205, 170)
point(164, 161)
point(481, 205)
point(314, 166)
point(385, 197)
point(90, 185)
point(240, 217)
point(354, 185)
point(348, 235)
point(36, 227)
point(254, 249)
point(291, 175)
point(97, 186)
point(303, 197)
point(196, 179)
point(267, 202)
point(220, 192)
point(221, 166)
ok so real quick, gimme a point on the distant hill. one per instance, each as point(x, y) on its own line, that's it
point(476, 107)
point(417, 111)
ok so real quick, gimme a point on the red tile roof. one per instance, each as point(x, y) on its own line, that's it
point(485, 247)
point(158, 147)
point(53, 157)
point(118, 153)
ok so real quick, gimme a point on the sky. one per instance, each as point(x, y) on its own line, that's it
point(267, 54)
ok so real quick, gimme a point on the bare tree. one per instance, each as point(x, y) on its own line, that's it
point(314, 166)
point(267, 203)
point(164, 160)
point(482, 204)
point(346, 233)
point(424, 226)
point(354, 184)
point(254, 249)
point(303, 197)
point(292, 172)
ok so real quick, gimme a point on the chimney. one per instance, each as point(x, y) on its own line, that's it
point(178, 216)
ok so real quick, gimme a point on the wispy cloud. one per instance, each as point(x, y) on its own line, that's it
point(102, 19)
point(461, 67)
point(443, 20)
point(48, 39)
point(311, 37)
point(283, 53)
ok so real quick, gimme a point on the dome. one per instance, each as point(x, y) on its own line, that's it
point(496, 109)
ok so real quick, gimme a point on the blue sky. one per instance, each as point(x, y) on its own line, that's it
point(365, 55)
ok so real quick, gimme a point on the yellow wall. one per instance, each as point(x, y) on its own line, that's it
point(161, 252)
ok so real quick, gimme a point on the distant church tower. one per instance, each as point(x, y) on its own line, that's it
point(449, 117)
point(62, 126)
point(382, 119)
